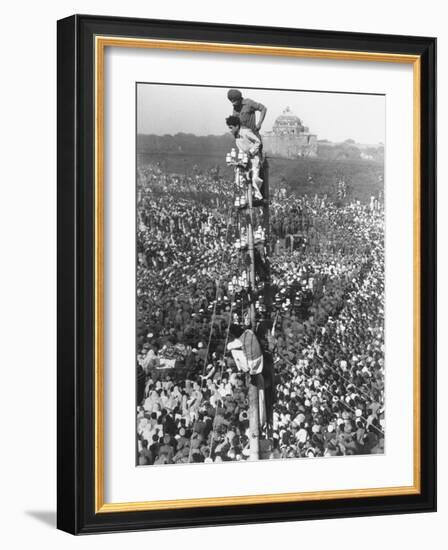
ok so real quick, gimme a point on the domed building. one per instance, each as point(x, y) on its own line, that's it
point(289, 138)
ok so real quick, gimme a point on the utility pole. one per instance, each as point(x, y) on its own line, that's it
point(256, 397)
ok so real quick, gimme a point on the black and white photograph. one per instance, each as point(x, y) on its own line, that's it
point(260, 274)
point(221, 229)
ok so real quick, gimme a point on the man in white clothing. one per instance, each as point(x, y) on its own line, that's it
point(247, 142)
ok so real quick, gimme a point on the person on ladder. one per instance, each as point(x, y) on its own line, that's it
point(247, 142)
point(248, 356)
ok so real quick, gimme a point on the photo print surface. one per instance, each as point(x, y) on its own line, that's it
point(259, 274)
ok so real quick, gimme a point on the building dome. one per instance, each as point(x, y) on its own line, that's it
point(289, 138)
point(288, 124)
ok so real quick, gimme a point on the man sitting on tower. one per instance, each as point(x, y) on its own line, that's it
point(245, 109)
point(247, 142)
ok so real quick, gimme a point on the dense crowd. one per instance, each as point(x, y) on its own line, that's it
point(327, 321)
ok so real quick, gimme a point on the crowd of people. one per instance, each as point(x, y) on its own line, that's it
point(327, 324)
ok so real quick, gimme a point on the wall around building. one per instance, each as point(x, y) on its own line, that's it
point(304, 145)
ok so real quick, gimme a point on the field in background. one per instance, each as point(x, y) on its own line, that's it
point(188, 154)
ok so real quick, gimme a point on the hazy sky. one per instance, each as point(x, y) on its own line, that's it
point(169, 109)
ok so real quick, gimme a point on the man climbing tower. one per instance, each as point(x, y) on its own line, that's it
point(247, 142)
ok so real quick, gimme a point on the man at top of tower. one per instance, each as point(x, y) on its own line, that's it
point(245, 109)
